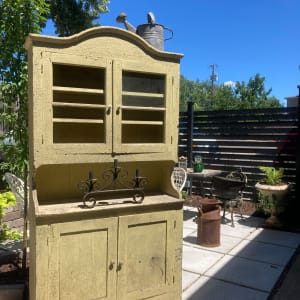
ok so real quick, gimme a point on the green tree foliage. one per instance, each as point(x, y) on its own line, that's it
point(225, 98)
point(241, 96)
point(7, 199)
point(254, 95)
point(17, 19)
point(73, 16)
point(198, 92)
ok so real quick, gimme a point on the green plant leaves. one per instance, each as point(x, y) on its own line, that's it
point(7, 199)
point(273, 176)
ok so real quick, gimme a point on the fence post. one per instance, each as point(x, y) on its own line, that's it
point(298, 156)
point(190, 115)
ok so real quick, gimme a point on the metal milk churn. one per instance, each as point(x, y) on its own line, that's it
point(151, 32)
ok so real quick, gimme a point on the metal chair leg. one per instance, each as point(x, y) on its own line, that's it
point(231, 214)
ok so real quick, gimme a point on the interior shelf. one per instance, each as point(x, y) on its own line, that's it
point(78, 105)
point(140, 94)
point(149, 108)
point(143, 122)
point(65, 120)
point(77, 90)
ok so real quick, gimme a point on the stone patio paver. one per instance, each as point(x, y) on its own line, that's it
point(212, 289)
point(226, 244)
point(247, 264)
point(198, 260)
point(249, 273)
point(276, 237)
point(263, 252)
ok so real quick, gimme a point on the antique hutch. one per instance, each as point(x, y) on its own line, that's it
point(103, 99)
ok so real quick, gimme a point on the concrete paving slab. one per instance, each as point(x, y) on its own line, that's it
point(238, 232)
point(191, 223)
point(188, 231)
point(190, 208)
point(263, 252)
point(189, 213)
point(188, 278)
point(248, 221)
point(227, 220)
point(249, 273)
point(247, 264)
point(290, 288)
point(212, 289)
point(276, 237)
point(226, 244)
point(198, 260)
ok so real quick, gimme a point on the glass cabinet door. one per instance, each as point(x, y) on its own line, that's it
point(80, 100)
point(140, 108)
point(96, 106)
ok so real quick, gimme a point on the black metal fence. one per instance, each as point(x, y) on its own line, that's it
point(232, 139)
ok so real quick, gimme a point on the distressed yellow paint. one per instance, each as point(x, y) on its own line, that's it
point(109, 51)
point(89, 104)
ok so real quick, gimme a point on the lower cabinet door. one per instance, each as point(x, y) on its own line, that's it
point(146, 256)
point(82, 260)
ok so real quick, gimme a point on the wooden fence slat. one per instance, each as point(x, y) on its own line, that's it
point(228, 139)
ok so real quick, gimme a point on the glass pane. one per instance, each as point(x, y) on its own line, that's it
point(132, 133)
point(143, 82)
point(137, 115)
point(142, 101)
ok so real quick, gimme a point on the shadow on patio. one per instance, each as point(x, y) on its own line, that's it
point(247, 264)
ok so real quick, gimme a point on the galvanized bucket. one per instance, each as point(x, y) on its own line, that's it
point(154, 34)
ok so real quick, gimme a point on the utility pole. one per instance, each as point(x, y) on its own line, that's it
point(213, 78)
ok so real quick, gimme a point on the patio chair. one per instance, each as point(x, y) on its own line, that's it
point(178, 178)
point(16, 185)
point(229, 190)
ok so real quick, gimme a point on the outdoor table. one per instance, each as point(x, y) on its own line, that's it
point(206, 173)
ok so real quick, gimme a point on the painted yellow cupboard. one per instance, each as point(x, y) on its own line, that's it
point(133, 256)
point(101, 96)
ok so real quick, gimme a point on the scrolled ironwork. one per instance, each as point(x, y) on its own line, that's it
point(115, 182)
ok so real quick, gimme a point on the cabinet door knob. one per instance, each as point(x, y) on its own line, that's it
point(108, 109)
point(120, 265)
point(111, 265)
point(118, 110)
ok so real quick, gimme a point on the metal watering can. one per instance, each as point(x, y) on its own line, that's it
point(151, 32)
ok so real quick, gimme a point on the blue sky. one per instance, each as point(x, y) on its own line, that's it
point(242, 37)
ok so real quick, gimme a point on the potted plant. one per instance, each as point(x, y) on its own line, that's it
point(273, 192)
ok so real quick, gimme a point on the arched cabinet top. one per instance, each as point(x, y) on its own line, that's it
point(99, 32)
